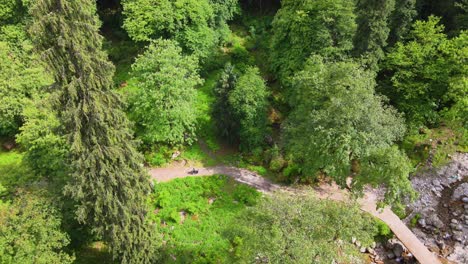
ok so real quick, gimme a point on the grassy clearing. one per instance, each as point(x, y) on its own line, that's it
point(436, 144)
point(198, 157)
point(196, 214)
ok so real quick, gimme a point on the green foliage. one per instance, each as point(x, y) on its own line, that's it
point(31, 233)
point(383, 230)
point(46, 149)
point(108, 183)
point(226, 124)
point(241, 107)
point(461, 18)
point(199, 156)
point(201, 236)
point(435, 146)
point(415, 219)
point(13, 172)
point(277, 164)
point(335, 106)
point(11, 11)
point(158, 158)
point(163, 107)
point(204, 107)
point(249, 105)
point(401, 20)
point(301, 229)
point(389, 167)
point(372, 29)
point(428, 74)
point(302, 28)
point(292, 169)
point(224, 11)
point(20, 79)
point(198, 25)
point(338, 120)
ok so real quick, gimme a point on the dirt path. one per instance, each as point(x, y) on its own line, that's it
point(368, 203)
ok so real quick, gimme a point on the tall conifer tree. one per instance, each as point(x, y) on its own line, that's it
point(108, 182)
point(373, 29)
point(401, 20)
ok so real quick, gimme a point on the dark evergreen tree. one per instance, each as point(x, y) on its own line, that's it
point(372, 31)
point(108, 181)
point(401, 20)
point(227, 126)
point(451, 13)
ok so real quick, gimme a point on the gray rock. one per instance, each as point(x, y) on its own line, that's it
point(398, 250)
point(458, 236)
point(390, 255)
point(460, 191)
point(362, 250)
point(358, 243)
point(435, 221)
point(436, 182)
point(465, 199)
point(454, 221)
point(422, 222)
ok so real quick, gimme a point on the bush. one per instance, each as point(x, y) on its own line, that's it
point(291, 170)
point(383, 230)
point(241, 57)
point(277, 164)
point(160, 156)
point(246, 195)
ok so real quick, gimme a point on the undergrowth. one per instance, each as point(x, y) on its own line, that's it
point(195, 213)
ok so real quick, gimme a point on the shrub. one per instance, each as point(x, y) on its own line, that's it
point(383, 230)
point(277, 164)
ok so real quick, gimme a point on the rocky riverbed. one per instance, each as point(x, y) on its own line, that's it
point(439, 217)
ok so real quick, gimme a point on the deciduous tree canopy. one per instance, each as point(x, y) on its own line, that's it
point(163, 107)
point(428, 73)
point(196, 25)
point(338, 119)
point(302, 28)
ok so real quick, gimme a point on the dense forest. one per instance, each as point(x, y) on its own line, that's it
point(95, 93)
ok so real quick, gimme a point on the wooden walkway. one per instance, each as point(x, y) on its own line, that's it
point(368, 203)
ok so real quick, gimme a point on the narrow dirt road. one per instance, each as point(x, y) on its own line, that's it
point(368, 203)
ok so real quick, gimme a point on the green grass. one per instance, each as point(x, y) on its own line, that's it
point(196, 155)
point(211, 204)
point(442, 141)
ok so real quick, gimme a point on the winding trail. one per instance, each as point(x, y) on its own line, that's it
point(368, 203)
